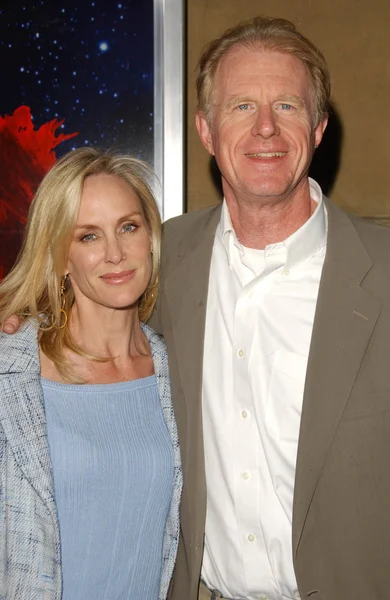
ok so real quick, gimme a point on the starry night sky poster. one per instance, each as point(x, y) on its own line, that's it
point(73, 74)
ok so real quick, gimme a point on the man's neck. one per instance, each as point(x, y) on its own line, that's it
point(258, 224)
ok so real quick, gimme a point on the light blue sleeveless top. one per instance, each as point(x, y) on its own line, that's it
point(112, 461)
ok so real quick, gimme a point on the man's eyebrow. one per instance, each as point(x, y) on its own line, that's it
point(291, 98)
point(233, 100)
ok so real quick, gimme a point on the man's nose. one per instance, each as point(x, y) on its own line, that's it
point(265, 123)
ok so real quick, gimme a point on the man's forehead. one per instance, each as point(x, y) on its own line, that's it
point(244, 68)
point(235, 82)
point(261, 54)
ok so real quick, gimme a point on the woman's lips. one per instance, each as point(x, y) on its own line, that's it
point(118, 278)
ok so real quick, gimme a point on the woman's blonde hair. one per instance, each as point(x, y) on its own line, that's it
point(270, 35)
point(33, 287)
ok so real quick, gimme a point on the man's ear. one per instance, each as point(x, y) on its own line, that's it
point(204, 132)
point(319, 130)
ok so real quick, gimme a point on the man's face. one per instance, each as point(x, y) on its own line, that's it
point(261, 133)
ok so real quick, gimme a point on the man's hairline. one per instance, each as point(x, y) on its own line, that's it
point(207, 114)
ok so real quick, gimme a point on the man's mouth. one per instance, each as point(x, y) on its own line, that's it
point(266, 154)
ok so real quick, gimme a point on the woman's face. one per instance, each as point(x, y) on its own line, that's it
point(109, 261)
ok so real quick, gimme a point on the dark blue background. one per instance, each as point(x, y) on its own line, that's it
point(90, 63)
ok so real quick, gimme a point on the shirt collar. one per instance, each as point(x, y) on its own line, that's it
point(306, 242)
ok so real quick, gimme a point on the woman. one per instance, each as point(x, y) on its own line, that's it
point(90, 476)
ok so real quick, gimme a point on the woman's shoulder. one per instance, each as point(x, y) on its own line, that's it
point(156, 341)
point(19, 351)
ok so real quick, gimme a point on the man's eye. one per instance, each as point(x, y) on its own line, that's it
point(285, 106)
point(243, 106)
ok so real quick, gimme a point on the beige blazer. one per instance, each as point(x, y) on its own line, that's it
point(341, 514)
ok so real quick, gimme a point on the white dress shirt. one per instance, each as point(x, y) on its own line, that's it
point(259, 322)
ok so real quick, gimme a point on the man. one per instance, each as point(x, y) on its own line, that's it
point(275, 309)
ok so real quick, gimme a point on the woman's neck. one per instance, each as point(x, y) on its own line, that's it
point(108, 332)
point(113, 335)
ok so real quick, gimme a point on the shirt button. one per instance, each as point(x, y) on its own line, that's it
point(263, 597)
point(251, 537)
point(245, 475)
point(250, 295)
point(286, 272)
point(244, 414)
point(241, 353)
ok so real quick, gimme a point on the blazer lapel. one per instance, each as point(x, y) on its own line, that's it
point(186, 290)
point(22, 414)
point(345, 317)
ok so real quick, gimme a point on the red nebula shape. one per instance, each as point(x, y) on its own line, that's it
point(26, 155)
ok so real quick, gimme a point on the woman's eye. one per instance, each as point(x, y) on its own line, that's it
point(129, 227)
point(88, 237)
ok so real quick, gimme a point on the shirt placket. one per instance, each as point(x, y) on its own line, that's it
point(250, 460)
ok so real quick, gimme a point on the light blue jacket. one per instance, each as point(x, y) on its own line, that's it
point(30, 558)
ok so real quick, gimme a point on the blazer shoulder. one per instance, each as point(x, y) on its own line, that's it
point(375, 237)
point(183, 225)
point(364, 250)
point(19, 352)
